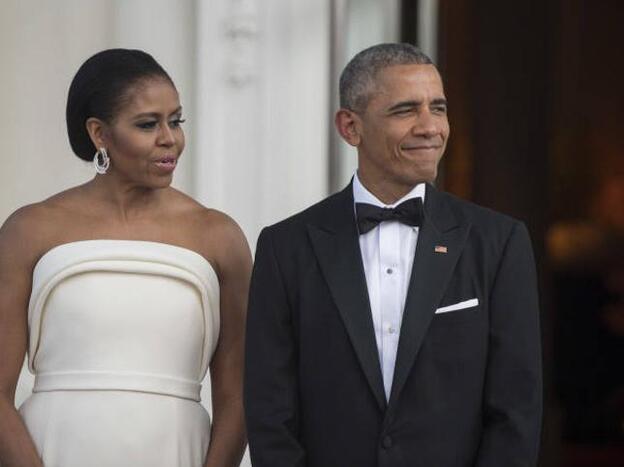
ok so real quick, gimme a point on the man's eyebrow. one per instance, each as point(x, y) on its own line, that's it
point(404, 105)
point(439, 101)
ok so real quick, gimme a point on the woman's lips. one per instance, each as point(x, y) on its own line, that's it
point(166, 164)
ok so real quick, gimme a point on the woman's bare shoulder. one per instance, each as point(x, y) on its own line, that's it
point(22, 236)
point(66, 200)
point(32, 229)
point(214, 232)
point(203, 218)
point(29, 218)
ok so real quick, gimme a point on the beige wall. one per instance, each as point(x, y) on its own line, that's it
point(38, 60)
point(42, 43)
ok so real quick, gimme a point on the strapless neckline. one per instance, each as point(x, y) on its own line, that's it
point(132, 257)
point(58, 249)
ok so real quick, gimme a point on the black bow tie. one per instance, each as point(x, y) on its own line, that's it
point(409, 212)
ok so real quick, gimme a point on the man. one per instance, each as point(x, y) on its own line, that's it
point(392, 324)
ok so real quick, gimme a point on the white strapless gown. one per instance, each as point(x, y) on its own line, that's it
point(121, 334)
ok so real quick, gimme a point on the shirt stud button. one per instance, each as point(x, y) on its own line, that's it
point(389, 271)
point(386, 442)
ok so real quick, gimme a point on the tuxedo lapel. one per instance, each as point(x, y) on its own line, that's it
point(441, 240)
point(336, 246)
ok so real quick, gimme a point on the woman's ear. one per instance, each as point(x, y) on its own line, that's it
point(97, 132)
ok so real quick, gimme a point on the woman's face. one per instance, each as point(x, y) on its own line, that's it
point(145, 139)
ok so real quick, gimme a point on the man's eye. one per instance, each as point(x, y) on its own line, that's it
point(147, 125)
point(440, 109)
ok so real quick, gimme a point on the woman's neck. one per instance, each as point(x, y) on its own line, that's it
point(126, 199)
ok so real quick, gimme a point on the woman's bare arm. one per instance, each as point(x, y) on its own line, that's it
point(228, 438)
point(17, 257)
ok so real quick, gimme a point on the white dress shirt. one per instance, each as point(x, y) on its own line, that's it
point(388, 254)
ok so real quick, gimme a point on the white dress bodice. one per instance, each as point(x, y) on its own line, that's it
point(121, 335)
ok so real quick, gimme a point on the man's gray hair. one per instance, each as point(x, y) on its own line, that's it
point(358, 78)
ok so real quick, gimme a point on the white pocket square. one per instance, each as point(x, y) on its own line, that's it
point(458, 306)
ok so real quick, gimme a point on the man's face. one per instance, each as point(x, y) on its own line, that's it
point(403, 130)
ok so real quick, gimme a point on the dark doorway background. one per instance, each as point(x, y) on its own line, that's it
point(536, 103)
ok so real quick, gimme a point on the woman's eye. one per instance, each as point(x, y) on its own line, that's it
point(177, 122)
point(147, 125)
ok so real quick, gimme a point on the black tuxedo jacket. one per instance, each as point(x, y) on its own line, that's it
point(467, 384)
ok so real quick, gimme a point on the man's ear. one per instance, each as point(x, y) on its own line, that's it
point(348, 125)
point(97, 132)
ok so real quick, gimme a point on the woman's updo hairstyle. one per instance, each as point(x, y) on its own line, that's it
point(101, 87)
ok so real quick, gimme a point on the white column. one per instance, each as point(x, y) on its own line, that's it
point(261, 138)
point(368, 22)
point(428, 27)
point(260, 135)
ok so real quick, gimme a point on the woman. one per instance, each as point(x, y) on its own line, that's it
point(122, 291)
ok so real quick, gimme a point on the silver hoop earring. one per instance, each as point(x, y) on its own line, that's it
point(101, 161)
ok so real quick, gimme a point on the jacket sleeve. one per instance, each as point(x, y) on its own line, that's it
point(270, 387)
point(513, 387)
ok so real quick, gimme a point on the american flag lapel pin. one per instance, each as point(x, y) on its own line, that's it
point(440, 249)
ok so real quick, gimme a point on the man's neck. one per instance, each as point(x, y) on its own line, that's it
point(387, 193)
